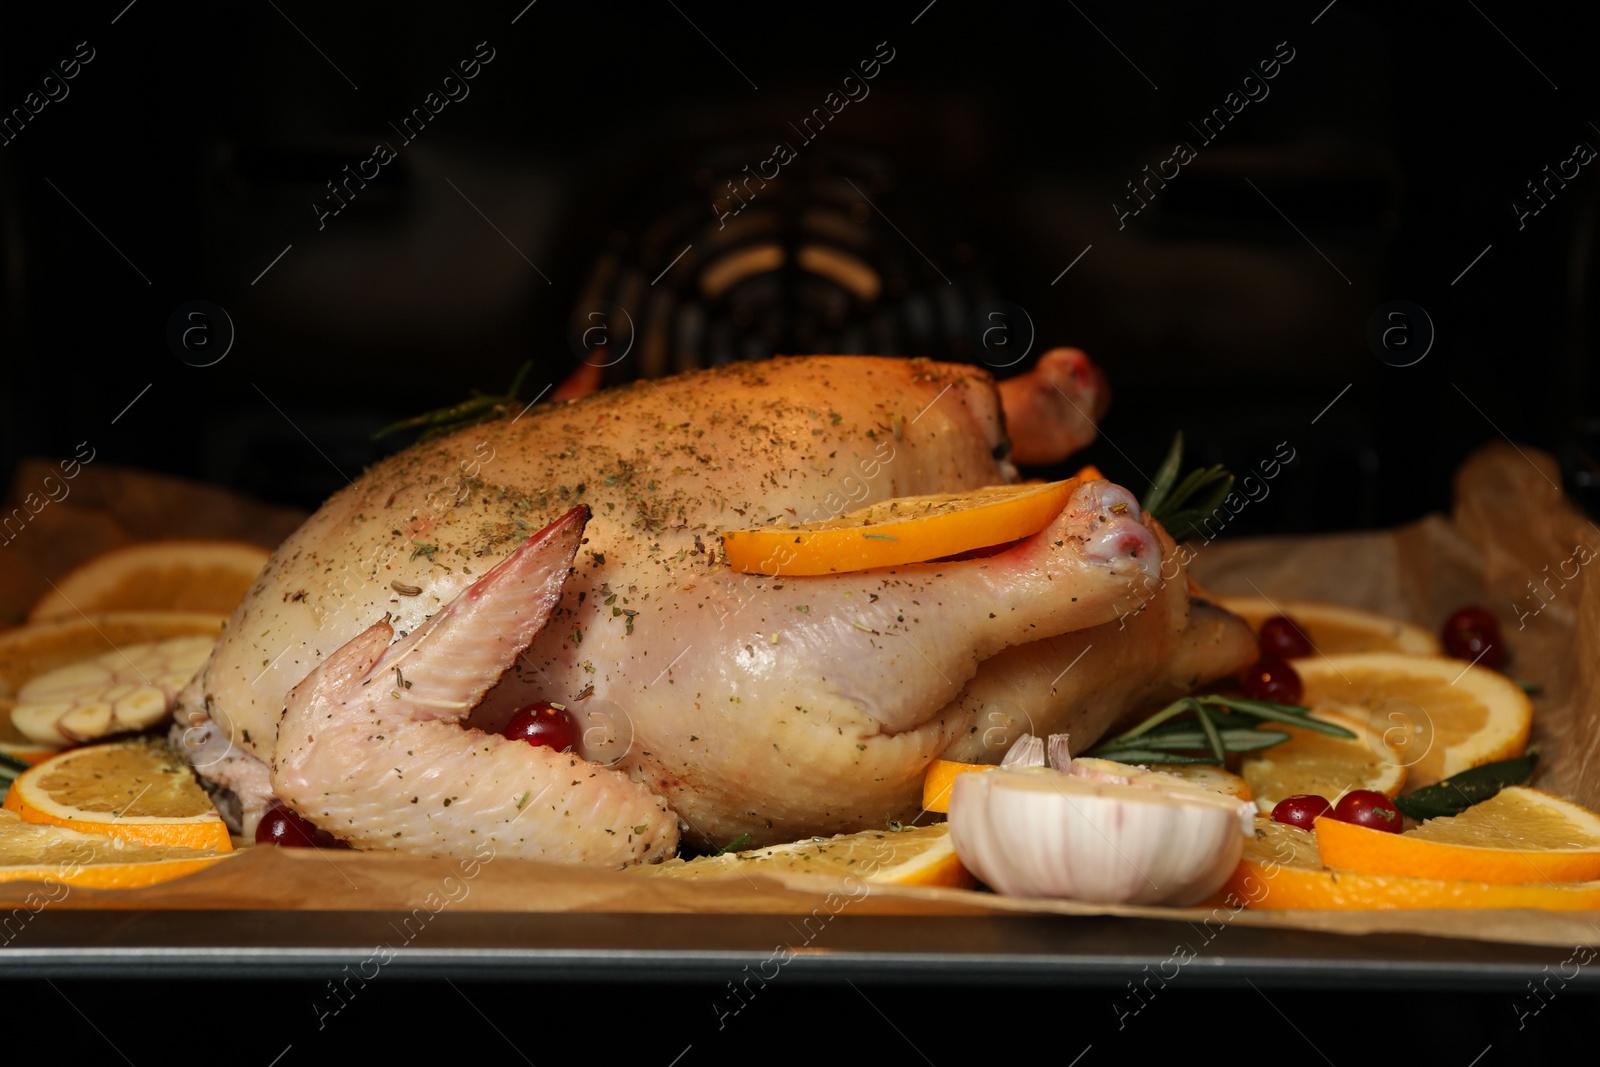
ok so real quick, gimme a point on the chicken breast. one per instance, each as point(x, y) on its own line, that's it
point(713, 704)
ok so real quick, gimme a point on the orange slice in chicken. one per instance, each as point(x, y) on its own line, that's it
point(908, 529)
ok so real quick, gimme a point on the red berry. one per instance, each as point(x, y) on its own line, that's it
point(545, 723)
point(283, 826)
point(1270, 678)
point(1302, 810)
point(1472, 618)
point(1473, 634)
point(1281, 636)
point(1369, 808)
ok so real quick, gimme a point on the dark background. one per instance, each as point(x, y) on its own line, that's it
point(1383, 162)
point(186, 159)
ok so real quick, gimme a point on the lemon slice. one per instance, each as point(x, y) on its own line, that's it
point(910, 529)
point(919, 855)
point(1442, 715)
point(1334, 629)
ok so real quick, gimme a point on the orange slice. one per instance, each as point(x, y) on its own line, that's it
point(190, 576)
point(1335, 629)
point(908, 529)
point(28, 752)
point(1282, 869)
point(135, 790)
point(1518, 835)
point(34, 852)
point(1442, 715)
point(938, 778)
point(1312, 762)
point(918, 855)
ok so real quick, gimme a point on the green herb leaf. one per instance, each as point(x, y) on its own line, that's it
point(733, 845)
point(1166, 475)
point(1177, 707)
point(1213, 739)
point(480, 408)
point(1181, 506)
point(1461, 791)
point(1288, 713)
point(1191, 738)
point(1218, 725)
point(1149, 755)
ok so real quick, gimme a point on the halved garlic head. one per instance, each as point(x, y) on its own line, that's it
point(132, 688)
point(1037, 832)
point(1104, 770)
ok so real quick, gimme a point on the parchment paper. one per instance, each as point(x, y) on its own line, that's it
point(1510, 527)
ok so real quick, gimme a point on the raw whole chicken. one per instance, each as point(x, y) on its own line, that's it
point(571, 554)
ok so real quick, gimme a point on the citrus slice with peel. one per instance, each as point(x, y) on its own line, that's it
point(1518, 835)
point(1282, 869)
point(35, 852)
point(907, 529)
point(131, 689)
point(1334, 629)
point(1442, 715)
point(210, 577)
point(135, 790)
point(1323, 765)
point(938, 778)
point(917, 855)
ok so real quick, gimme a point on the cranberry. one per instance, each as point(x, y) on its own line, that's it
point(1369, 808)
point(545, 723)
point(1472, 618)
point(1302, 810)
point(285, 827)
point(1281, 636)
point(1270, 678)
point(1473, 634)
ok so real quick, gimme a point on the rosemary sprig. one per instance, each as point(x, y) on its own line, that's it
point(480, 408)
point(1213, 739)
point(1179, 505)
point(1220, 725)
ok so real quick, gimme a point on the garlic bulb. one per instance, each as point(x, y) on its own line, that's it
point(132, 688)
point(1038, 832)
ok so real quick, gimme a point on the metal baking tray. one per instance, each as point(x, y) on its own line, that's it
point(604, 947)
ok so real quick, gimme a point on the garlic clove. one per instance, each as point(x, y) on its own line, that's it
point(1059, 753)
point(1026, 751)
point(1042, 833)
